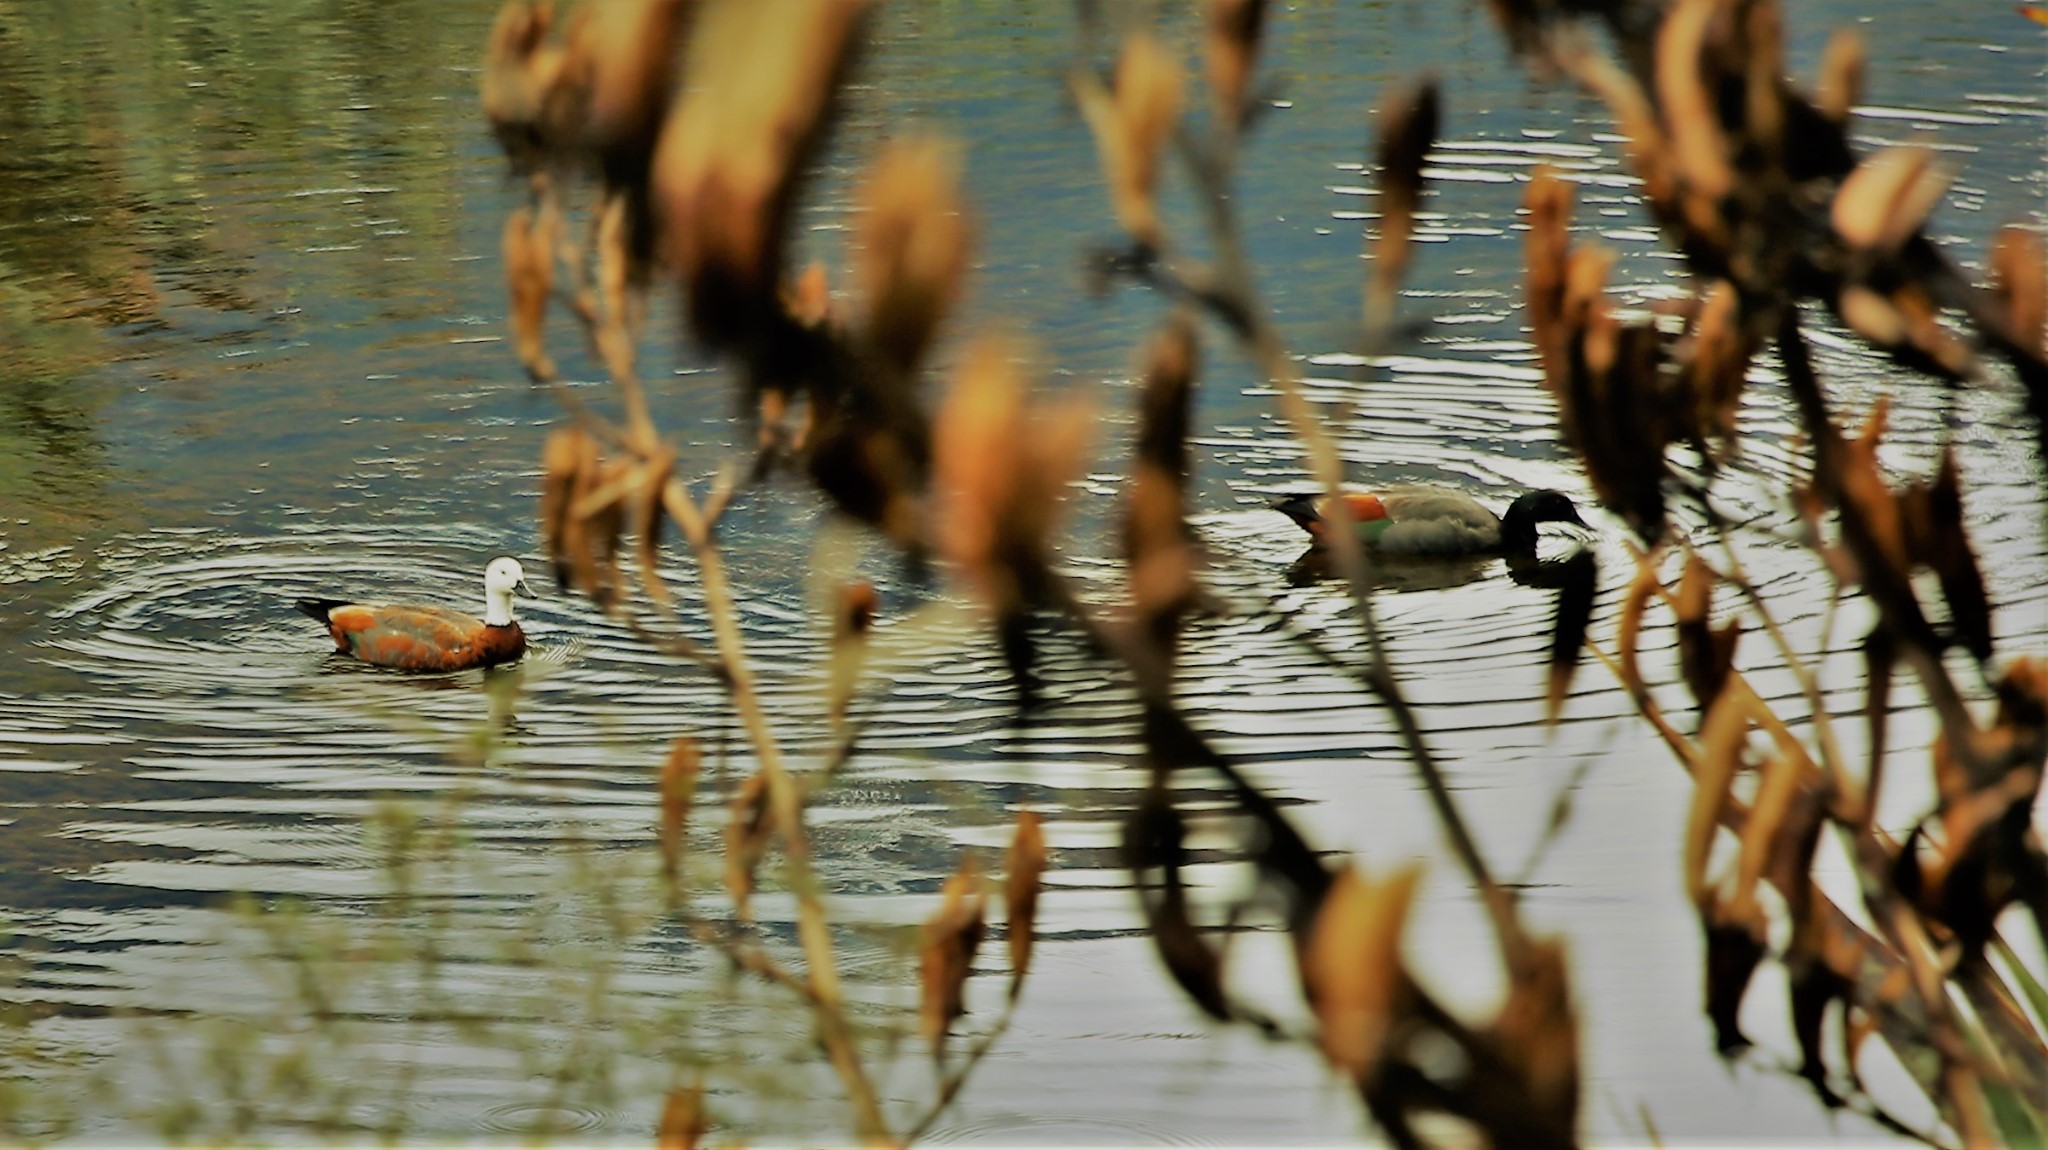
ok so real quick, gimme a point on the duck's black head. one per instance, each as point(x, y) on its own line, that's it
point(1518, 526)
point(1301, 509)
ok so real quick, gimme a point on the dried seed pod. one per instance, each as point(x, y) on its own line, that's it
point(1721, 351)
point(562, 457)
point(946, 953)
point(1546, 249)
point(620, 56)
point(913, 236)
point(1723, 739)
point(872, 459)
point(1351, 969)
point(852, 618)
point(1929, 346)
point(529, 246)
point(808, 298)
point(1131, 123)
point(746, 839)
point(1932, 517)
point(597, 522)
point(979, 447)
point(648, 515)
point(1408, 127)
point(2019, 276)
point(1002, 469)
point(1882, 203)
point(1158, 556)
point(520, 70)
point(1705, 654)
point(1685, 94)
point(619, 322)
point(1987, 854)
point(1021, 882)
point(764, 81)
point(1982, 863)
point(1538, 1032)
point(1611, 406)
point(678, 795)
point(1814, 987)
point(682, 1119)
point(1733, 951)
point(1841, 75)
point(1230, 48)
point(1788, 861)
point(1864, 489)
point(1871, 316)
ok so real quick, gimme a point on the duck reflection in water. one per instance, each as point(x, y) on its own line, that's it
point(1427, 538)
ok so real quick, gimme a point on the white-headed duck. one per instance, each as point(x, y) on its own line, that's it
point(413, 637)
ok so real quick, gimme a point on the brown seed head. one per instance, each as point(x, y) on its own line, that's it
point(520, 69)
point(1024, 870)
point(1883, 202)
point(913, 237)
point(764, 77)
point(1685, 93)
point(1863, 487)
point(1841, 75)
point(528, 245)
point(1351, 969)
point(1002, 470)
point(2019, 276)
point(620, 61)
point(678, 795)
point(946, 954)
point(1230, 48)
point(1131, 123)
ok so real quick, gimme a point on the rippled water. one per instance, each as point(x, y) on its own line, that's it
point(259, 252)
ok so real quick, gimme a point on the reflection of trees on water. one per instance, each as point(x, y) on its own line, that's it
point(164, 157)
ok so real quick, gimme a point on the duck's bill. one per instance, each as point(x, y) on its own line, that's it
point(524, 588)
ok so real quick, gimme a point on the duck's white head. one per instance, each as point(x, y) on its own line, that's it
point(501, 579)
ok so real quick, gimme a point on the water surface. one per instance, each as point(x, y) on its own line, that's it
point(252, 307)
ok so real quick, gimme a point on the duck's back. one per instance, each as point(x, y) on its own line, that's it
point(1435, 521)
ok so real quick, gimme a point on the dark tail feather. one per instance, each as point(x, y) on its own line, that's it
point(318, 608)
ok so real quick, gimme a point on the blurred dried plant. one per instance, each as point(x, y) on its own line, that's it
point(702, 122)
point(951, 937)
point(1160, 557)
point(1132, 118)
point(1230, 49)
point(1760, 189)
point(1408, 128)
point(1003, 464)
